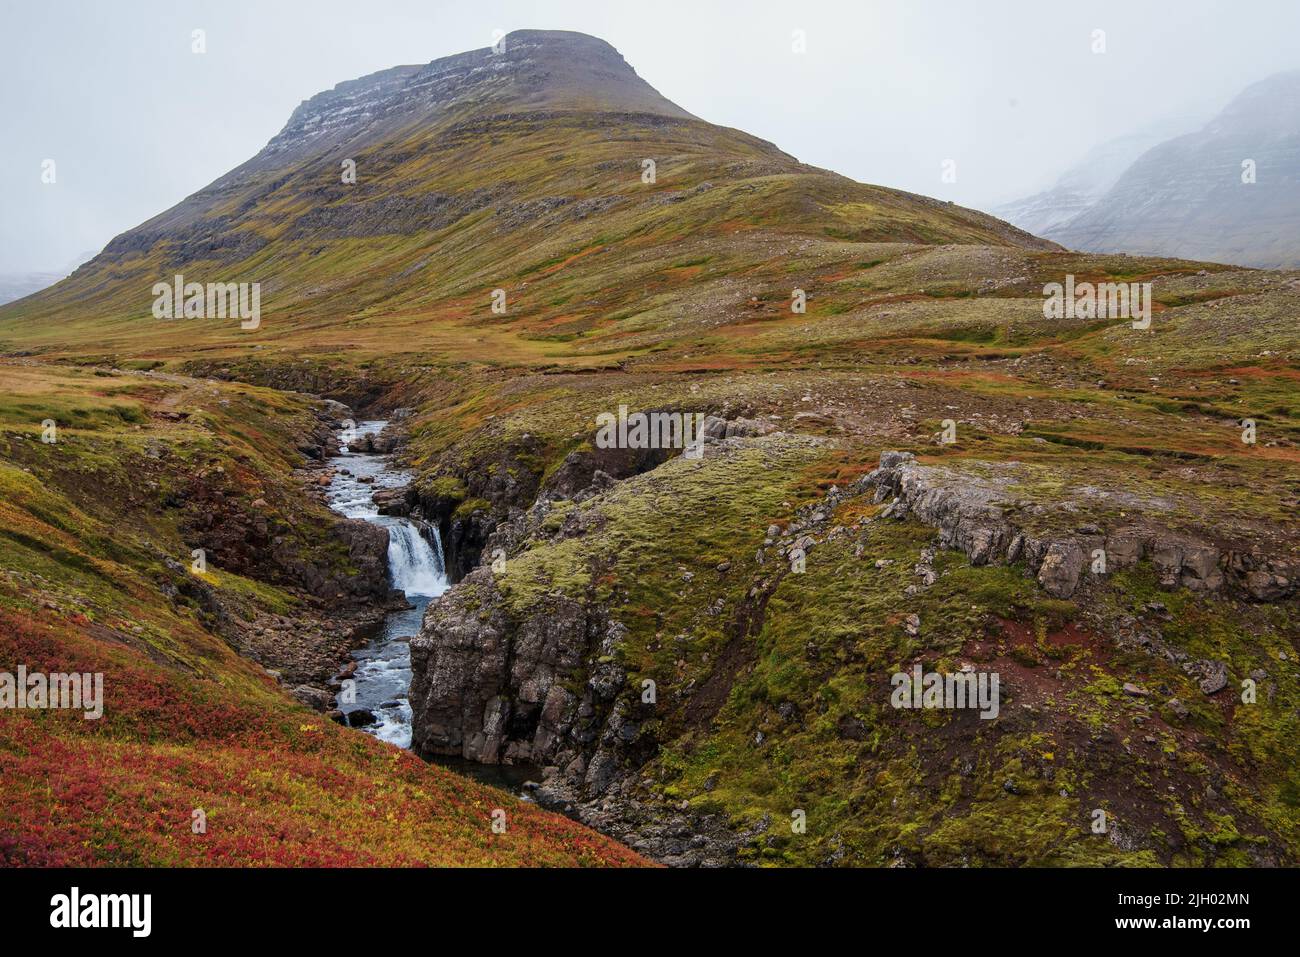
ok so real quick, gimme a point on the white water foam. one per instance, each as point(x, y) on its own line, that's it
point(415, 566)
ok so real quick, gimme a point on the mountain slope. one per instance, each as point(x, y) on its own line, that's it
point(1186, 197)
point(946, 458)
point(96, 533)
point(1083, 184)
point(472, 172)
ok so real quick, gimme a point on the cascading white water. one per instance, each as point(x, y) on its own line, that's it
point(414, 566)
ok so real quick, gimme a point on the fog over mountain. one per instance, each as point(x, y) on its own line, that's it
point(16, 285)
point(1228, 192)
point(884, 92)
point(1085, 183)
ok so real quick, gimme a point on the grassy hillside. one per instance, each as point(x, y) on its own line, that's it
point(523, 172)
point(773, 686)
point(96, 578)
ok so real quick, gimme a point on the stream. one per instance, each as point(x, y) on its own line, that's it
point(416, 567)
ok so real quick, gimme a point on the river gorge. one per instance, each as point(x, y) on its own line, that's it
point(417, 568)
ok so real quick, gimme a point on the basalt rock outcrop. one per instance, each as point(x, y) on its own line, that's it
point(495, 687)
point(537, 679)
point(983, 517)
point(543, 687)
point(539, 683)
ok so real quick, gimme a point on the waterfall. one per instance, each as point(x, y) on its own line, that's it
point(414, 566)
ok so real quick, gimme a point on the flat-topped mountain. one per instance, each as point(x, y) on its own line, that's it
point(528, 70)
point(470, 170)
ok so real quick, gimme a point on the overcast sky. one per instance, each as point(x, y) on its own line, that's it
point(888, 89)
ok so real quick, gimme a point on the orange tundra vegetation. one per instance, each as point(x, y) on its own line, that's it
point(277, 785)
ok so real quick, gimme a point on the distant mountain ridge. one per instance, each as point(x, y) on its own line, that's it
point(17, 285)
point(1083, 184)
point(1185, 197)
